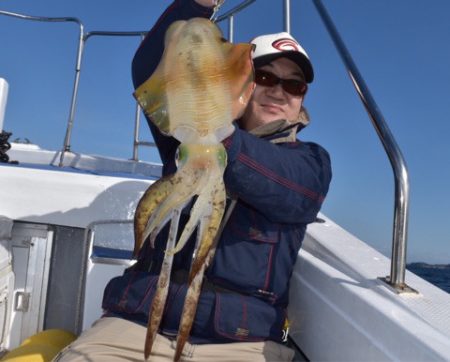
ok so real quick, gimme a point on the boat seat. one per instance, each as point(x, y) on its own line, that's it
point(41, 347)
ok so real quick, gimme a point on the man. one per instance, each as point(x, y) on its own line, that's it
point(277, 185)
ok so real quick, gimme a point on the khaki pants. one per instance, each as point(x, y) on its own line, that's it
point(116, 339)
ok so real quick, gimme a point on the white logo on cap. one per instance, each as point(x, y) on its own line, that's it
point(285, 44)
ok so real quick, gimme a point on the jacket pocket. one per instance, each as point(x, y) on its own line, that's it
point(124, 294)
point(244, 318)
point(245, 255)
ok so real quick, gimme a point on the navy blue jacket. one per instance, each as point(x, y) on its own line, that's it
point(279, 189)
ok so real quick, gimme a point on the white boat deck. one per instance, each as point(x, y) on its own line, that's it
point(86, 189)
point(339, 299)
point(340, 309)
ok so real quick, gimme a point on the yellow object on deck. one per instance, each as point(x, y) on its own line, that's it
point(41, 347)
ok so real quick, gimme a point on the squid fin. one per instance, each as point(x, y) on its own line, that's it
point(151, 96)
point(240, 75)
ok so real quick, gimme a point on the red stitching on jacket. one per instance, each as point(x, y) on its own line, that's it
point(227, 142)
point(279, 179)
point(123, 301)
point(269, 268)
point(147, 292)
point(170, 299)
point(244, 324)
point(225, 334)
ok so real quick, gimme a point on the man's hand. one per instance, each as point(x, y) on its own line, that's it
point(209, 3)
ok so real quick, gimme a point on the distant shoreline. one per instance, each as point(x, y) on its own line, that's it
point(426, 265)
point(437, 274)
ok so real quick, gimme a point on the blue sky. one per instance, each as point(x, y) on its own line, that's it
point(401, 48)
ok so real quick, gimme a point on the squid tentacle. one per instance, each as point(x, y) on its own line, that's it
point(147, 205)
point(205, 250)
point(159, 300)
point(200, 209)
point(192, 295)
point(172, 194)
point(210, 228)
point(159, 227)
point(177, 193)
point(189, 309)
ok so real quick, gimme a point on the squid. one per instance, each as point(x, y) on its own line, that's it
point(200, 86)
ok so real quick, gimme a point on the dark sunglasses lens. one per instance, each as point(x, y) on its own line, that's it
point(294, 87)
point(265, 78)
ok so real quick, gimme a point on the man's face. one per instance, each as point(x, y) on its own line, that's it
point(269, 104)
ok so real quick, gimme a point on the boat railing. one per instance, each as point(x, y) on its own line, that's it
point(401, 205)
point(400, 225)
point(67, 137)
point(113, 236)
point(82, 39)
point(229, 15)
point(137, 115)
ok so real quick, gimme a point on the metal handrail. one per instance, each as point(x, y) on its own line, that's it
point(66, 145)
point(287, 16)
point(230, 16)
point(400, 226)
point(113, 33)
point(89, 234)
point(89, 231)
point(80, 51)
point(398, 260)
point(238, 8)
point(137, 115)
point(89, 237)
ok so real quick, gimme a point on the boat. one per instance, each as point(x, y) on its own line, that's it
point(66, 230)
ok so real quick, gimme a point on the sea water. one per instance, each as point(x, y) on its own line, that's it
point(439, 274)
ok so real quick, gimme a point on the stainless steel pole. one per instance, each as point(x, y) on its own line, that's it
point(287, 16)
point(400, 225)
point(67, 138)
point(66, 146)
point(231, 29)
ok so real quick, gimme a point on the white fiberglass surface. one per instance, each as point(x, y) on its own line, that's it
point(31, 155)
point(341, 310)
point(67, 197)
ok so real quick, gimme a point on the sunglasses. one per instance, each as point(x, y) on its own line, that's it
point(294, 87)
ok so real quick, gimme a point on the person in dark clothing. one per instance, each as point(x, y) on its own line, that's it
point(276, 185)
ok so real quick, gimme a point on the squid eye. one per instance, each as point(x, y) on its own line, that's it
point(181, 155)
point(177, 157)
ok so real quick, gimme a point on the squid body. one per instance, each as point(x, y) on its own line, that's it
point(200, 86)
